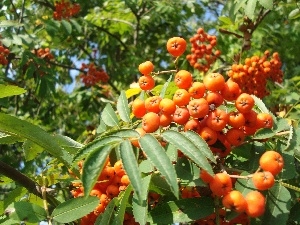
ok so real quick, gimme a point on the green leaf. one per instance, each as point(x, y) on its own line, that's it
point(226, 20)
point(67, 26)
point(102, 127)
point(157, 155)
point(244, 185)
point(159, 185)
point(182, 211)
point(165, 87)
point(268, 4)
point(140, 209)
point(10, 90)
point(108, 215)
point(123, 200)
point(126, 133)
point(122, 107)
point(188, 173)
point(76, 25)
point(278, 205)
point(92, 167)
point(14, 196)
point(74, 209)
point(9, 139)
point(188, 148)
point(95, 145)
point(31, 150)
point(26, 211)
point(109, 116)
point(260, 104)
point(131, 167)
point(10, 23)
point(295, 213)
point(201, 144)
point(132, 92)
point(12, 125)
point(294, 14)
point(263, 134)
point(250, 8)
point(68, 143)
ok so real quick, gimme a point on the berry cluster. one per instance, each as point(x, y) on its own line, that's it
point(202, 50)
point(92, 74)
point(201, 106)
point(111, 182)
point(65, 10)
point(43, 53)
point(256, 71)
point(3, 55)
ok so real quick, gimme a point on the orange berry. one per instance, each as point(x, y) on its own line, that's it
point(234, 200)
point(146, 67)
point(138, 108)
point(271, 161)
point(150, 122)
point(183, 79)
point(255, 204)
point(181, 97)
point(235, 136)
point(264, 120)
point(198, 108)
point(167, 106)
point(197, 90)
point(214, 82)
point(244, 103)
point(146, 83)
point(263, 180)
point(221, 184)
point(176, 46)
point(152, 104)
point(181, 116)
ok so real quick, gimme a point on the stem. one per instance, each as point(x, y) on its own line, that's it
point(44, 194)
point(26, 182)
point(165, 71)
point(295, 188)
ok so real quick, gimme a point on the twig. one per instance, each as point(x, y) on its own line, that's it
point(26, 182)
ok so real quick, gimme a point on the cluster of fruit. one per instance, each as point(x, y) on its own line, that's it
point(219, 111)
point(253, 204)
point(256, 71)
point(3, 55)
point(43, 53)
point(111, 182)
point(65, 10)
point(92, 75)
point(202, 50)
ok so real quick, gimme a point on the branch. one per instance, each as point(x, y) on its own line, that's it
point(26, 182)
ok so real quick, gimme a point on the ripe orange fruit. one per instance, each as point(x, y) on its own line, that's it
point(152, 104)
point(235, 136)
point(181, 115)
point(234, 200)
point(214, 98)
point(198, 108)
point(255, 204)
point(146, 83)
point(197, 90)
point(146, 67)
point(244, 103)
point(214, 82)
point(138, 108)
point(209, 135)
point(176, 46)
point(236, 119)
point(150, 122)
point(165, 119)
point(263, 180)
point(181, 97)
point(205, 176)
point(167, 106)
point(271, 161)
point(264, 120)
point(183, 79)
point(217, 119)
point(221, 184)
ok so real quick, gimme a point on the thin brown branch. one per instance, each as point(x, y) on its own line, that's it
point(26, 182)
